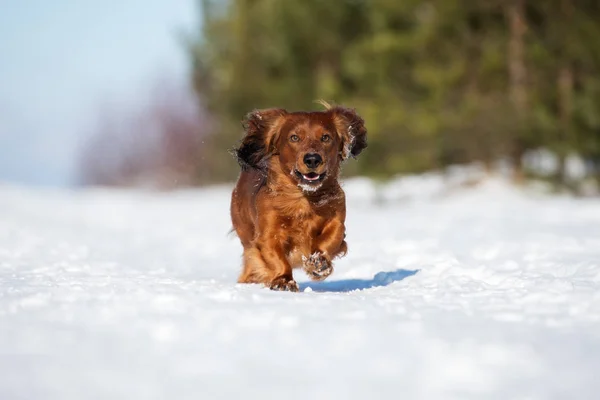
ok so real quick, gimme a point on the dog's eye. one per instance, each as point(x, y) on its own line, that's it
point(294, 138)
point(325, 138)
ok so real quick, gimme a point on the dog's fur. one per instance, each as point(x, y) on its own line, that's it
point(287, 212)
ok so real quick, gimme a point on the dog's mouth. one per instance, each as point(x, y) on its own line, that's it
point(310, 178)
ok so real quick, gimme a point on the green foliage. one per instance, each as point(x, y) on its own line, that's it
point(432, 79)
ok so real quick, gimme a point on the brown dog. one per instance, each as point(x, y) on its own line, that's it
point(288, 208)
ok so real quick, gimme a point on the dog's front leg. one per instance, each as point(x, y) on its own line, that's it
point(270, 240)
point(327, 246)
point(281, 271)
point(263, 263)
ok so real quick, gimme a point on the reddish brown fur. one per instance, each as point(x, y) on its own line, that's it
point(281, 224)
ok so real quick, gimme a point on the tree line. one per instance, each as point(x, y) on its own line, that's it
point(438, 82)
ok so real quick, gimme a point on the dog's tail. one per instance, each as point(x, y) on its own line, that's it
point(324, 103)
point(231, 232)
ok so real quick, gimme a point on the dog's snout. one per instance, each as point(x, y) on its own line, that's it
point(312, 160)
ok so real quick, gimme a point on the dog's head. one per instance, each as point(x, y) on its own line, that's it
point(309, 146)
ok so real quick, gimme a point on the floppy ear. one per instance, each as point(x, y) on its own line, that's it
point(257, 145)
point(351, 128)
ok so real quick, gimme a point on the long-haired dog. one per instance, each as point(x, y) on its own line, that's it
point(288, 208)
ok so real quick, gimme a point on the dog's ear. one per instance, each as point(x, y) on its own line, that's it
point(257, 144)
point(351, 128)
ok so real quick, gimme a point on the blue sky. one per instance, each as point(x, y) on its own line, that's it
point(61, 59)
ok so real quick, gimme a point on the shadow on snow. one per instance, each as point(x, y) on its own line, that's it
point(383, 278)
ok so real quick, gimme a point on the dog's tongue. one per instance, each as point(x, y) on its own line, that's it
point(311, 176)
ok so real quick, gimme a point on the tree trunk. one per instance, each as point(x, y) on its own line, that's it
point(564, 85)
point(517, 72)
point(516, 55)
point(565, 99)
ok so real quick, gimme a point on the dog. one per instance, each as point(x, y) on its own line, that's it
point(287, 207)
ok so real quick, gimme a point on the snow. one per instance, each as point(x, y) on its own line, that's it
point(447, 292)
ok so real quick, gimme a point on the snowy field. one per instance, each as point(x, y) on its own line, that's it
point(485, 292)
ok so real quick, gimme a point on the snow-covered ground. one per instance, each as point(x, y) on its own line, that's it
point(482, 292)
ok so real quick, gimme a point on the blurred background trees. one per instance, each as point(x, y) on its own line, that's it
point(439, 82)
point(158, 144)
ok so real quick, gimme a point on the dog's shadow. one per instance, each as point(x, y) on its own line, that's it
point(383, 278)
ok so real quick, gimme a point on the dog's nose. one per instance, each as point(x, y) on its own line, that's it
point(312, 160)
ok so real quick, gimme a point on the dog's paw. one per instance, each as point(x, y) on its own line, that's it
point(284, 284)
point(317, 266)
